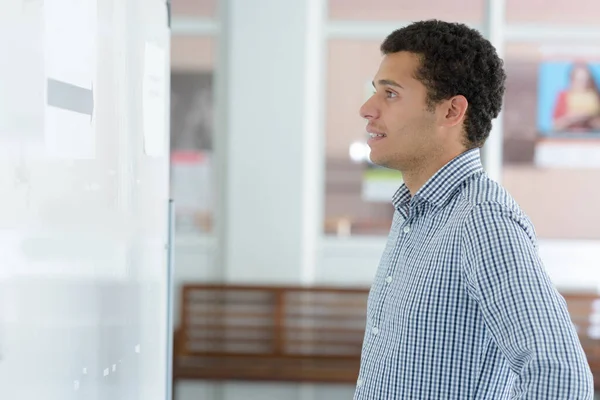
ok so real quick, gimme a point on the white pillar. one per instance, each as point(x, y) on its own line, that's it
point(492, 151)
point(269, 139)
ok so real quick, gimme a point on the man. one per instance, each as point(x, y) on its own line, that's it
point(461, 307)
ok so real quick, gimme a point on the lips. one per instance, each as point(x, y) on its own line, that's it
point(375, 136)
point(375, 133)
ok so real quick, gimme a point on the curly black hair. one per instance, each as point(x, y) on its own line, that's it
point(455, 60)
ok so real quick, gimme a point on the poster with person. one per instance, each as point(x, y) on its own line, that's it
point(569, 98)
point(568, 108)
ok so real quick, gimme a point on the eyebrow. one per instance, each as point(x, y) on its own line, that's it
point(387, 82)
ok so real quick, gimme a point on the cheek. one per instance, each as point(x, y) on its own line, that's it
point(398, 118)
point(403, 123)
point(416, 131)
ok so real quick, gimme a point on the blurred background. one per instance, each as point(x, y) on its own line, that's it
point(273, 93)
point(252, 283)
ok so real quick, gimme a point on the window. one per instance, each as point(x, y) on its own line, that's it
point(553, 11)
point(553, 171)
point(549, 175)
point(192, 187)
point(194, 8)
point(406, 10)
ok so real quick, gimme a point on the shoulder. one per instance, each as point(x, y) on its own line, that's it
point(489, 206)
point(481, 190)
point(495, 232)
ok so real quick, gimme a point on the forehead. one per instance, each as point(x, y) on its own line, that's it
point(399, 66)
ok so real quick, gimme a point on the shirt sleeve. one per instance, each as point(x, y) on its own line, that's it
point(526, 316)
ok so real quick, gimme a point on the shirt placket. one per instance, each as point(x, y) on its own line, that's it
point(410, 215)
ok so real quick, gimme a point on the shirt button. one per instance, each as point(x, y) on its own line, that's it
point(388, 279)
point(406, 229)
point(375, 330)
point(359, 383)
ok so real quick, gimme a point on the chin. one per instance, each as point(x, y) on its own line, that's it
point(381, 161)
point(386, 161)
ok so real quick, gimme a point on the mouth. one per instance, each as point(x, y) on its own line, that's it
point(374, 137)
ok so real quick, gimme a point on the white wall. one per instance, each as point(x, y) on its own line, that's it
point(268, 138)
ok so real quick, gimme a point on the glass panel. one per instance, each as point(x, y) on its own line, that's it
point(550, 169)
point(192, 70)
point(194, 8)
point(553, 11)
point(350, 207)
point(84, 183)
point(406, 10)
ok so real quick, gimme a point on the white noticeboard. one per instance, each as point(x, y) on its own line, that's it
point(70, 63)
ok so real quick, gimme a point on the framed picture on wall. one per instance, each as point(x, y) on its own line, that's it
point(568, 114)
point(569, 99)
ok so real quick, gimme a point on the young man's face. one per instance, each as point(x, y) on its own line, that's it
point(399, 114)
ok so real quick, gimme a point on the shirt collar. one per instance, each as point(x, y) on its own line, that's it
point(444, 182)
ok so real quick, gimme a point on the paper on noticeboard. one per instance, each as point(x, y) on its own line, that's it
point(155, 101)
point(70, 69)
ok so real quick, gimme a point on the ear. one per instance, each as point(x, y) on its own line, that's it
point(453, 111)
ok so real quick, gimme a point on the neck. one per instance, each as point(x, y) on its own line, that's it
point(415, 178)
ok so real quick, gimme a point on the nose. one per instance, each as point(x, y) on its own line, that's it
point(369, 109)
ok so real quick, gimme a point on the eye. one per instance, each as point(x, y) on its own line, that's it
point(389, 94)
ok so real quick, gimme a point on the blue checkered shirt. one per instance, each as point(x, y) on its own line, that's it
point(461, 307)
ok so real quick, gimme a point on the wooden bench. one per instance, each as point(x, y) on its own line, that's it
point(299, 334)
point(584, 309)
point(292, 334)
